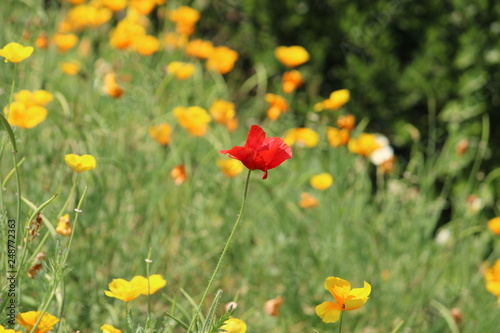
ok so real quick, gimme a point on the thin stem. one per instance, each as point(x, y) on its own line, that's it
point(219, 263)
point(340, 324)
point(126, 316)
point(78, 210)
point(148, 263)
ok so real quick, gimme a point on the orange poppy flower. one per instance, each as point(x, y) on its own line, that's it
point(291, 81)
point(292, 56)
point(278, 105)
point(222, 59)
point(179, 174)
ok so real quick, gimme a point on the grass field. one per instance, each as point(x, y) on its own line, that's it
point(421, 242)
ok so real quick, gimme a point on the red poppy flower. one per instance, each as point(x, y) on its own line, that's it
point(259, 152)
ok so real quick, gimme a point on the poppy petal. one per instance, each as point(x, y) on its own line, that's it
point(256, 137)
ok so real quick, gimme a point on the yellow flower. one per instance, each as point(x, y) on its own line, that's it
point(492, 279)
point(347, 122)
point(63, 227)
point(111, 86)
point(494, 225)
point(322, 181)
point(29, 319)
point(234, 325)
point(123, 290)
point(70, 68)
point(39, 97)
point(156, 282)
point(278, 105)
point(4, 330)
point(199, 48)
point(115, 5)
point(146, 45)
point(126, 33)
point(336, 100)
point(364, 145)
point(291, 81)
point(143, 6)
point(307, 201)
point(65, 42)
point(222, 59)
point(175, 41)
point(222, 111)
point(346, 299)
point(337, 137)
point(292, 56)
point(20, 115)
point(195, 119)
point(230, 168)
point(184, 18)
point(180, 70)
point(80, 163)
point(15, 52)
point(106, 328)
point(304, 137)
point(161, 133)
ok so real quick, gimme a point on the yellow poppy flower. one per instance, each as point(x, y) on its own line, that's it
point(291, 81)
point(175, 41)
point(15, 52)
point(156, 282)
point(230, 168)
point(106, 328)
point(80, 163)
point(146, 45)
point(63, 227)
point(180, 70)
point(195, 119)
point(123, 290)
point(184, 18)
point(222, 111)
point(29, 319)
point(143, 6)
point(234, 325)
point(494, 225)
point(336, 100)
point(71, 67)
point(304, 137)
point(20, 115)
point(322, 181)
point(346, 299)
point(161, 133)
point(292, 56)
point(111, 86)
point(492, 279)
point(115, 5)
point(363, 145)
point(4, 330)
point(65, 42)
point(222, 59)
point(337, 137)
point(199, 48)
point(348, 121)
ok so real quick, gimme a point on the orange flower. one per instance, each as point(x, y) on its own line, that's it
point(278, 105)
point(199, 48)
point(291, 81)
point(179, 174)
point(42, 41)
point(65, 42)
point(115, 5)
point(273, 305)
point(161, 133)
point(346, 299)
point(126, 33)
point(337, 137)
point(111, 87)
point(222, 59)
point(307, 201)
point(184, 18)
point(175, 41)
point(143, 6)
point(292, 56)
point(71, 67)
point(29, 319)
point(232, 124)
point(336, 100)
point(363, 145)
point(494, 225)
point(181, 70)
point(15, 52)
point(492, 279)
point(303, 137)
point(195, 119)
point(146, 45)
point(347, 122)
point(222, 111)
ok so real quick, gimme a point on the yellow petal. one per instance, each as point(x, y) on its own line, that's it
point(329, 312)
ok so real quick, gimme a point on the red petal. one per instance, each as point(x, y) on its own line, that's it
point(274, 152)
point(247, 156)
point(255, 138)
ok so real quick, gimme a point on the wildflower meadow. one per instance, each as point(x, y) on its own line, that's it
point(162, 171)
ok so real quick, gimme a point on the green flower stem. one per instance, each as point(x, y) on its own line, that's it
point(78, 210)
point(219, 263)
point(148, 263)
point(340, 324)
